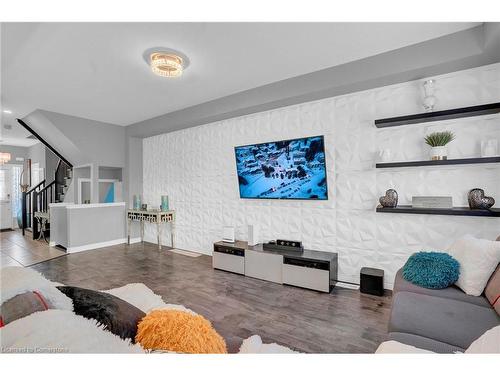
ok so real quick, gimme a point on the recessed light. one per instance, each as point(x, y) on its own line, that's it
point(8, 111)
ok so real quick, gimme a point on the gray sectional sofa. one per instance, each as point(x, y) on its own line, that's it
point(442, 320)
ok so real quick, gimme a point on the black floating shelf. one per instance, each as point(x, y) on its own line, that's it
point(458, 211)
point(401, 164)
point(477, 110)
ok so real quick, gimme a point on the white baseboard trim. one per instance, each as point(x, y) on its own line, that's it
point(97, 245)
point(135, 240)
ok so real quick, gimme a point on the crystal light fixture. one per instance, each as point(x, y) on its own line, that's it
point(166, 64)
point(4, 158)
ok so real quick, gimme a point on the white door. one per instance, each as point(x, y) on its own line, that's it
point(5, 197)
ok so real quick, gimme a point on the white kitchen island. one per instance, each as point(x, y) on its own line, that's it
point(80, 227)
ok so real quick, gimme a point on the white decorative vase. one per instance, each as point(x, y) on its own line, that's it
point(429, 98)
point(384, 155)
point(489, 148)
point(439, 153)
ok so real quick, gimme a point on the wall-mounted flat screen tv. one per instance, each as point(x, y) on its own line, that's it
point(290, 169)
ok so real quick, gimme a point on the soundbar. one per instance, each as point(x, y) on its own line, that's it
point(283, 245)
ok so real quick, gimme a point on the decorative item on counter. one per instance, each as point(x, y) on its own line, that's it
point(432, 202)
point(489, 147)
point(385, 155)
point(144, 207)
point(429, 98)
point(438, 142)
point(390, 199)
point(25, 176)
point(137, 202)
point(477, 199)
point(164, 203)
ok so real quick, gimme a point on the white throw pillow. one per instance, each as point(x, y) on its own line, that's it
point(139, 295)
point(478, 259)
point(144, 299)
point(489, 342)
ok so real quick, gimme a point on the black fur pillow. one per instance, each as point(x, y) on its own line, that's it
point(116, 315)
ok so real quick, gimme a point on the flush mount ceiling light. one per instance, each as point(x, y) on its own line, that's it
point(4, 158)
point(166, 62)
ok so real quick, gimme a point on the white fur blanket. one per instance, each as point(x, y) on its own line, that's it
point(254, 345)
point(62, 331)
point(59, 331)
point(18, 280)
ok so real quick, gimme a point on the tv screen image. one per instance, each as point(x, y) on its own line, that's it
point(290, 169)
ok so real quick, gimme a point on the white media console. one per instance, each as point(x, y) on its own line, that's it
point(310, 269)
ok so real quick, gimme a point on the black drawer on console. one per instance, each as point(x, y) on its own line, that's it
point(229, 250)
point(320, 265)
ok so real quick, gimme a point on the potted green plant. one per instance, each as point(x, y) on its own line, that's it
point(438, 142)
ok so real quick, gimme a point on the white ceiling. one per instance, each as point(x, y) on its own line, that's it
point(16, 135)
point(97, 71)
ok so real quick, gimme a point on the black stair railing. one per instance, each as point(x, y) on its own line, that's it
point(27, 205)
point(40, 196)
point(41, 201)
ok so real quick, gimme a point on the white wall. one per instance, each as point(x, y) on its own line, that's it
point(37, 154)
point(196, 168)
point(51, 162)
point(79, 140)
point(100, 143)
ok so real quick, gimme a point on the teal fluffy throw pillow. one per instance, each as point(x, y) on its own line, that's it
point(431, 270)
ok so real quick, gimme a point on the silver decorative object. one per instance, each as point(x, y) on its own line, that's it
point(390, 199)
point(477, 199)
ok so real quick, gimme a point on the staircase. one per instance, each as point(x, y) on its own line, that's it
point(64, 174)
point(38, 198)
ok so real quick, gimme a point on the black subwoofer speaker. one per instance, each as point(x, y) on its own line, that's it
point(371, 281)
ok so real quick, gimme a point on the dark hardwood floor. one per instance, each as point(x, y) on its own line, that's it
point(343, 321)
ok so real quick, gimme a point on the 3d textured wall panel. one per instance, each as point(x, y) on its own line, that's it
point(196, 168)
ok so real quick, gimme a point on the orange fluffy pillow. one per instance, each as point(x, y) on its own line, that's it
point(178, 331)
